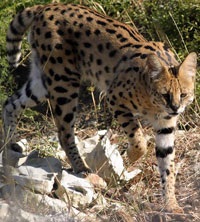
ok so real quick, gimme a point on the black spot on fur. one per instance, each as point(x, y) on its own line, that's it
point(87, 45)
point(89, 19)
point(48, 35)
point(60, 60)
point(38, 32)
point(143, 56)
point(60, 32)
point(117, 113)
point(51, 17)
point(111, 31)
point(100, 48)
point(167, 172)
point(52, 60)
point(49, 81)
point(58, 110)
point(88, 32)
point(59, 46)
point(77, 34)
point(97, 32)
point(74, 95)
point(51, 72)
point(63, 100)
point(68, 117)
point(150, 48)
point(131, 135)
point(60, 89)
point(124, 125)
point(101, 23)
point(112, 53)
point(80, 16)
point(99, 62)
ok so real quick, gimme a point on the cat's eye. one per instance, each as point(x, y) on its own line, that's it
point(183, 95)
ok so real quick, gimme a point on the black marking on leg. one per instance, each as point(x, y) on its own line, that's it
point(128, 115)
point(60, 89)
point(17, 148)
point(163, 152)
point(74, 95)
point(11, 40)
point(13, 29)
point(68, 117)
point(13, 52)
point(163, 180)
point(165, 130)
point(20, 20)
point(68, 135)
point(124, 125)
point(58, 110)
point(29, 93)
point(63, 100)
point(117, 113)
point(167, 172)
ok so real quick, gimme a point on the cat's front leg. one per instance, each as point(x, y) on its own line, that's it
point(165, 153)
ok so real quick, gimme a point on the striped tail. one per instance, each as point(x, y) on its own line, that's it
point(16, 31)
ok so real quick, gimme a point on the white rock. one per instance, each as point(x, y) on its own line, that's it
point(104, 158)
point(77, 190)
point(38, 174)
point(25, 205)
point(40, 203)
point(4, 209)
point(13, 212)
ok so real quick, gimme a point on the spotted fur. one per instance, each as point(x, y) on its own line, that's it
point(71, 43)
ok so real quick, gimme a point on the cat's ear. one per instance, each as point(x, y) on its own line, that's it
point(154, 66)
point(187, 69)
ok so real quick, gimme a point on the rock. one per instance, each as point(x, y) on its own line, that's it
point(12, 212)
point(34, 181)
point(104, 158)
point(101, 156)
point(39, 203)
point(38, 174)
point(36, 203)
point(78, 191)
point(25, 205)
point(12, 157)
point(4, 208)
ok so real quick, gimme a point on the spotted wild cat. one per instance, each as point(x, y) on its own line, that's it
point(70, 43)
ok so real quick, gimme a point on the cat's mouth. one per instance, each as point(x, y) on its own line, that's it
point(173, 114)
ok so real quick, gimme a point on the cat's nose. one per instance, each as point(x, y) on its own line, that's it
point(174, 107)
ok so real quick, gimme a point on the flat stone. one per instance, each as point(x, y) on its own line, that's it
point(103, 158)
point(12, 212)
point(78, 191)
point(23, 205)
point(38, 174)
